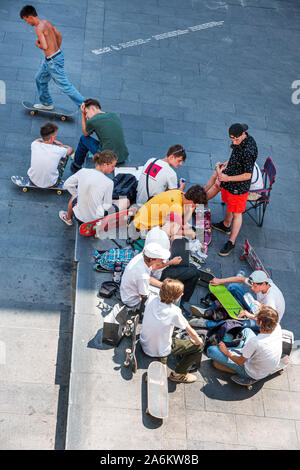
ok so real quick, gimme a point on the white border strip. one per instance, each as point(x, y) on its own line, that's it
point(157, 37)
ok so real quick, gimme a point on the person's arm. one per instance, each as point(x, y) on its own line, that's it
point(41, 42)
point(155, 282)
point(215, 281)
point(160, 264)
point(83, 120)
point(239, 360)
point(236, 178)
point(71, 184)
point(60, 144)
point(195, 339)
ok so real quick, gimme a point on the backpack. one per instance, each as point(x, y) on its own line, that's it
point(217, 334)
point(108, 258)
point(125, 184)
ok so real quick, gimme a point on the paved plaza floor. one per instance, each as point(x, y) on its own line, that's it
point(176, 72)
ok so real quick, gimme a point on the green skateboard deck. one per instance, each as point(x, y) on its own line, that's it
point(226, 299)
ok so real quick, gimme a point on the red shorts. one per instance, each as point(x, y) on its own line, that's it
point(235, 202)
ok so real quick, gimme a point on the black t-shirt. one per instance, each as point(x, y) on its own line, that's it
point(241, 161)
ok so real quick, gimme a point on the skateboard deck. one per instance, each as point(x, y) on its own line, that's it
point(63, 114)
point(251, 257)
point(131, 330)
point(157, 390)
point(25, 183)
point(117, 219)
point(226, 299)
point(203, 221)
point(244, 382)
point(205, 277)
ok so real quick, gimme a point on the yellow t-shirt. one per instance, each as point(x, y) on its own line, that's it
point(154, 212)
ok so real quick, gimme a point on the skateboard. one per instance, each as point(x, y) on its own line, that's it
point(251, 257)
point(226, 299)
point(131, 330)
point(157, 390)
point(63, 114)
point(25, 183)
point(244, 382)
point(205, 277)
point(117, 219)
point(203, 222)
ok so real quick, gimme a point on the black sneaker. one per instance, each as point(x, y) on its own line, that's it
point(221, 227)
point(227, 249)
point(74, 167)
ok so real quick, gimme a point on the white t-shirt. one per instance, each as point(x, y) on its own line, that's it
point(272, 298)
point(43, 170)
point(157, 235)
point(157, 328)
point(93, 190)
point(263, 353)
point(162, 177)
point(135, 281)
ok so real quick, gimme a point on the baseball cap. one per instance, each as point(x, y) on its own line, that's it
point(155, 250)
point(259, 276)
point(237, 129)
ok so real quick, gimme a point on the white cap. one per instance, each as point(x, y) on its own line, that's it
point(155, 250)
point(259, 276)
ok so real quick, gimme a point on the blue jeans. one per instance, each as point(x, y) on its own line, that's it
point(54, 68)
point(238, 292)
point(214, 353)
point(85, 144)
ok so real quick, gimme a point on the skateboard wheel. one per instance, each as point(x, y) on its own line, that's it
point(147, 411)
point(24, 190)
point(281, 372)
point(63, 118)
point(249, 387)
point(32, 113)
point(146, 378)
point(207, 270)
point(58, 192)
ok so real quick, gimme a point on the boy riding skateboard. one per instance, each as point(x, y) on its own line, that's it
point(49, 41)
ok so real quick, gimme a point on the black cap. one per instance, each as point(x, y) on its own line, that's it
point(236, 130)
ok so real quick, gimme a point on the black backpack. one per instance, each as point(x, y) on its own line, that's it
point(125, 184)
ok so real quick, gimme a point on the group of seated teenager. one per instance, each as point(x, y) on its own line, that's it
point(165, 212)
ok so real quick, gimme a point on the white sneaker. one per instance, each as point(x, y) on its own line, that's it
point(63, 217)
point(43, 106)
point(198, 323)
point(197, 311)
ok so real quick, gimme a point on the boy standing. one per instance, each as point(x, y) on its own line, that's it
point(160, 318)
point(235, 180)
point(48, 158)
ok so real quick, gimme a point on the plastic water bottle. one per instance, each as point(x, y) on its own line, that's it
point(117, 274)
point(249, 299)
point(241, 272)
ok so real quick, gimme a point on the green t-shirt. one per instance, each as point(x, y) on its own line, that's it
point(109, 131)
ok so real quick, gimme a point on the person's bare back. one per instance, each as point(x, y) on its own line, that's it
point(48, 38)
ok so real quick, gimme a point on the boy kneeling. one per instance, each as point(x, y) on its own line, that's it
point(160, 318)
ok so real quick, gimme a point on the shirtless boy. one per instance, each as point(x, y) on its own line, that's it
point(49, 40)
